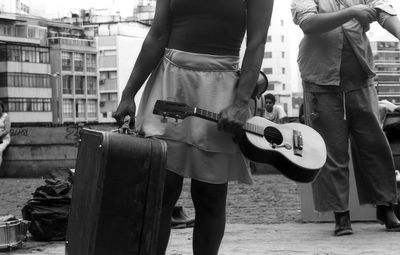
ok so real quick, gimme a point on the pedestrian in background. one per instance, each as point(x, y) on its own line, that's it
point(272, 111)
point(340, 102)
point(192, 54)
point(5, 127)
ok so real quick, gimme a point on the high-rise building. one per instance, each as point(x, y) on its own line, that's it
point(15, 6)
point(279, 63)
point(386, 50)
point(24, 69)
point(74, 73)
point(119, 45)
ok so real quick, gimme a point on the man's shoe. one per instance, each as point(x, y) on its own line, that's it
point(342, 224)
point(180, 219)
point(386, 216)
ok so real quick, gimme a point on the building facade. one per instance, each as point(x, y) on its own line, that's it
point(386, 50)
point(74, 74)
point(119, 45)
point(25, 86)
point(15, 6)
point(280, 58)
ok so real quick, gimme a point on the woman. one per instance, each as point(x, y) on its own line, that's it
point(192, 54)
point(4, 131)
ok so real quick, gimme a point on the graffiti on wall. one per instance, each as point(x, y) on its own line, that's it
point(19, 132)
point(73, 132)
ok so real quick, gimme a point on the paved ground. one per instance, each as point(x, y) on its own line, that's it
point(262, 219)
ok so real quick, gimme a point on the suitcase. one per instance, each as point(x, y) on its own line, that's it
point(117, 195)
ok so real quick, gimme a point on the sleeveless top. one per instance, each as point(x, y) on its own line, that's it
point(208, 26)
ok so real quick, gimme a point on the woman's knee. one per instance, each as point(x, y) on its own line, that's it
point(211, 197)
point(172, 188)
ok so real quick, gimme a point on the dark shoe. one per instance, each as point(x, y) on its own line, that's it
point(180, 219)
point(343, 224)
point(385, 215)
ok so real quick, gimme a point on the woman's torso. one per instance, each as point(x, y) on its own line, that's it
point(208, 26)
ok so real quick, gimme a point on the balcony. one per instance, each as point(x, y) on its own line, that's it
point(72, 43)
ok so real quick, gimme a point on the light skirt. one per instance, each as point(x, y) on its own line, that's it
point(196, 149)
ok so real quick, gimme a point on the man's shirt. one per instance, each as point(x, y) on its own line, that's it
point(277, 113)
point(320, 54)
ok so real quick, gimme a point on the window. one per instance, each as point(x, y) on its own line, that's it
point(91, 63)
point(28, 104)
point(282, 22)
point(67, 84)
point(91, 85)
point(283, 86)
point(108, 97)
point(283, 54)
point(109, 52)
point(282, 38)
point(19, 53)
point(79, 85)
point(268, 54)
point(92, 108)
point(271, 86)
point(44, 56)
point(66, 58)
point(108, 75)
point(283, 70)
point(67, 108)
point(269, 38)
point(78, 62)
point(27, 80)
point(267, 70)
point(80, 108)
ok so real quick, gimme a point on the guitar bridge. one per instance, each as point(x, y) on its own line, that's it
point(297, 143)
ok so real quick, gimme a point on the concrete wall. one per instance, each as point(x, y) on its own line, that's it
point(36, 150)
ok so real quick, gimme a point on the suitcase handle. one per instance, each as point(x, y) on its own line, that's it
point(125, 128)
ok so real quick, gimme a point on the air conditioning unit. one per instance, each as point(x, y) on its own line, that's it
point(102, 81)
point(102, 104)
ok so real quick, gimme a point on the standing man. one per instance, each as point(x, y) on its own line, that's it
point(273, 112)
point(340, 102)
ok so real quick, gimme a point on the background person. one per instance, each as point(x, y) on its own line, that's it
point(273, 112)
point(340, 102)
point(192, 54)
point(5, 127)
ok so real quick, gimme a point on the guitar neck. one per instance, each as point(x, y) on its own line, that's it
point(212, 116)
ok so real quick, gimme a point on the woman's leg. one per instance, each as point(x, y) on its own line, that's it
point(209, 201)
point(172, 190)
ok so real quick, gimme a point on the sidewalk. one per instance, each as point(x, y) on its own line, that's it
point(279, 239)
point(263, 218)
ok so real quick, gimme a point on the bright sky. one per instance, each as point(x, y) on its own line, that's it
point(57, 8)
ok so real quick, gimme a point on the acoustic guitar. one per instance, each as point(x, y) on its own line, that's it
point(296, 150)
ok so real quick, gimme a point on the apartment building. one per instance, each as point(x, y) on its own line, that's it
point(15, 6)
point(74, 74)
point(25, 86)
point(387, 68)
point(386, 50)
point(119, 45)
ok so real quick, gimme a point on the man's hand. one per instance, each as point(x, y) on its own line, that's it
point(233, 118)
point(126, 107)
point(364, 14)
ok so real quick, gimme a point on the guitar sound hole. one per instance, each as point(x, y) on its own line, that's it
point(273, 135)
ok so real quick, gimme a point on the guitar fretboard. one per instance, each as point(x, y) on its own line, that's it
point(216, 116)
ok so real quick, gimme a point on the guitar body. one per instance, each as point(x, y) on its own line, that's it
point(296, 150)
point(301, 166)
